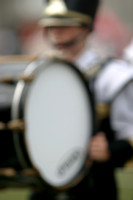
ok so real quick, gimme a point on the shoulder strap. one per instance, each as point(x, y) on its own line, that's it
point(95, 69)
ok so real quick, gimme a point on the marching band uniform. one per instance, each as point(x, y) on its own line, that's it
point(112, 87)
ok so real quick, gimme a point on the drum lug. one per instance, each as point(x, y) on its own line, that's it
point(8, 172)
point(11, 172)
point(2, 126)
point(26, 78)
point(29, 172)
point(16, 125)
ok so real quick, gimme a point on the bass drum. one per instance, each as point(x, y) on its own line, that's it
point(52, 106)
point(10, 69)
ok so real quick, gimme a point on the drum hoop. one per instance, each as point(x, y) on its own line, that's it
point(15, 111)
point(34, 68)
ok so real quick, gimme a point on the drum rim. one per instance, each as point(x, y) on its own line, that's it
point(21, 85)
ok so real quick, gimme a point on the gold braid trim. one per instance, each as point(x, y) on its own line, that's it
point(102, 110)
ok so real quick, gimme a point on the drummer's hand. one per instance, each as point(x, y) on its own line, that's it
point(98, 150)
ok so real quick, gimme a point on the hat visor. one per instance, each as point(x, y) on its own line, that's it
point(48, 22)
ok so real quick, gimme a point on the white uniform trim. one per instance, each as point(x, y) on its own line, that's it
point(122, 113)
point(116, 75)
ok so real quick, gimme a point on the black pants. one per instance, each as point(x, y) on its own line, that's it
point(99, 184)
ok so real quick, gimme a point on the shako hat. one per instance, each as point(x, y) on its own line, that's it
point(69, 13)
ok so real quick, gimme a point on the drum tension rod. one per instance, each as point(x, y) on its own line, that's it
point(23, 77)
point(8, 172)
point(27, 78)
point(14, 125)
point(2, 126)
point(7, 80)
point(29, 172)
point(11, 172)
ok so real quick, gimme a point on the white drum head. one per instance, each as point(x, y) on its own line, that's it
point(59, 123)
